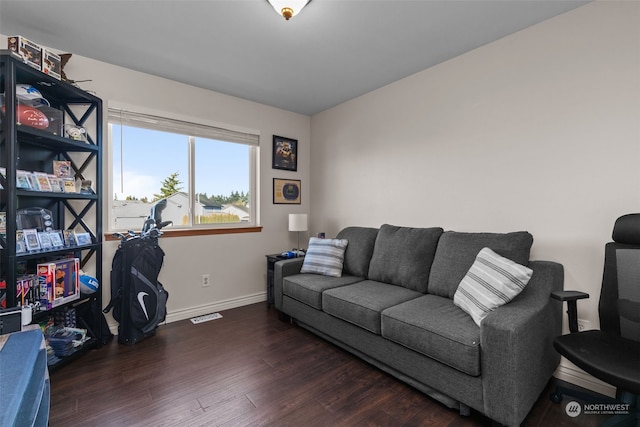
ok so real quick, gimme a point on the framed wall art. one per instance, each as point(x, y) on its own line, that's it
point(286, 191)
point(285, 153)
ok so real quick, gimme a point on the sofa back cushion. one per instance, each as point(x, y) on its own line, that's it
point(403, 256)
point(457, 252)
point(359, 251)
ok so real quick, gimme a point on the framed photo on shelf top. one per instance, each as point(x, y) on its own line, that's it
point(286, 191)
point(285, 153)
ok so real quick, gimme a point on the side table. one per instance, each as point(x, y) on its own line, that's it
point(271, 260)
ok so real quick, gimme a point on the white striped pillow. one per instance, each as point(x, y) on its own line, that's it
point(325, 256)
point(492, 281)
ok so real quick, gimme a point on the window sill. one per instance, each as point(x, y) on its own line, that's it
point(198, 232)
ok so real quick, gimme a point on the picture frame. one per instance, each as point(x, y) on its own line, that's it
point(22, 180)
point(62, 169)
point(45, 240)
point(69, 237)
point(54, 182)
point(56, 239)
point(83, 239)
point(31, 239)
point(68, 185)
point(21, 245)
point(33, 181)
point(43, 181)
point(285, 153)
point(287, 191)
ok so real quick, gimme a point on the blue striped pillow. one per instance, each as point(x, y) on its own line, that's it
point(324, 256)
point(491, 281)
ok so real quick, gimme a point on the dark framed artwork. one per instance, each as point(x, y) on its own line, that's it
point(285, 153)
point(287, 191)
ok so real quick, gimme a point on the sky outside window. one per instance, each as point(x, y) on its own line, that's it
point(148, 157)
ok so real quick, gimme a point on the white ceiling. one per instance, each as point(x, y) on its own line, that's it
point(335, 50)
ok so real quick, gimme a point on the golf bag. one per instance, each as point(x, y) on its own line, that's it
point(138, 299)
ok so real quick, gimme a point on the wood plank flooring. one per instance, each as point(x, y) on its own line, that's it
point(248, 369)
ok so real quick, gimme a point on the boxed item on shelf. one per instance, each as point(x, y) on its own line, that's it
point(30, 52)
point(51, 63)
point(58, 281)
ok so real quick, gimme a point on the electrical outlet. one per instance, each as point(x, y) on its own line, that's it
point(205, 280)
point(583, 325)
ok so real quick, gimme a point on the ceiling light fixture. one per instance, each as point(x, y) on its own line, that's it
point(288, 8)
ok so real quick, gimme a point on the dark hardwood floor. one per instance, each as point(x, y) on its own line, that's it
point(248, 369)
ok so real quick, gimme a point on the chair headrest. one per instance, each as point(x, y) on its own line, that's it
point(627, 229)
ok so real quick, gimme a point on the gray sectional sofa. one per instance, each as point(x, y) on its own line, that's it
point(393, 306)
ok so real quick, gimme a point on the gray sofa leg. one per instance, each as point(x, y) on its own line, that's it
point(465, 411)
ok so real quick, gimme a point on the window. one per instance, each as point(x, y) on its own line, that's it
point(206, 173)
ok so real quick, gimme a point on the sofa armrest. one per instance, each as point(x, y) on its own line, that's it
point(516, 341)
point(282, 269)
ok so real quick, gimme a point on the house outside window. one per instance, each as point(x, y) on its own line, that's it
point(206, 173)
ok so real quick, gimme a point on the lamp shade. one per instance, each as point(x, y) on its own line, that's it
point(297, 222)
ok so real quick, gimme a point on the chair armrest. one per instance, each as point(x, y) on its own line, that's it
point(571, 297)
point(282, 269)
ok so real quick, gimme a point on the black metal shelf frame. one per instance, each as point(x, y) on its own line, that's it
point(23, 147)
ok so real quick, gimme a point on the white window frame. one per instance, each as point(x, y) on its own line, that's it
point(192, 128)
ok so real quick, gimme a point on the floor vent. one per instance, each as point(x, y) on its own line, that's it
point(205, 318)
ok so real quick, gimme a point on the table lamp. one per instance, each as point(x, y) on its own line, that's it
point(298, 223)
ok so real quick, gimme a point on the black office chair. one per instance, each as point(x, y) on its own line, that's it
point(611, 354)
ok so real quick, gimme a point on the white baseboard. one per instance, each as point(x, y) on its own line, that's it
point(188, 313)
point(574, 375)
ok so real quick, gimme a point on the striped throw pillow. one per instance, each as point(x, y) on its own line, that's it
point(491, 281)
point(324, 256)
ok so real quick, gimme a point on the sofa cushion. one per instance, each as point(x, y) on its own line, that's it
point(491, 281)
point(359, 251)
point(457, 251)
point(435, 327)
point(362, 302)
point(402, 256)
point(324, 256)
point(308, 288)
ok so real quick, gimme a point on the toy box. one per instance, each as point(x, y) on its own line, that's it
point(30, 52)
point(58, 282)
point(51, 63)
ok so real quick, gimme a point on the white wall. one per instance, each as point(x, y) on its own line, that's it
point(236, 262)
point(538, 131)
